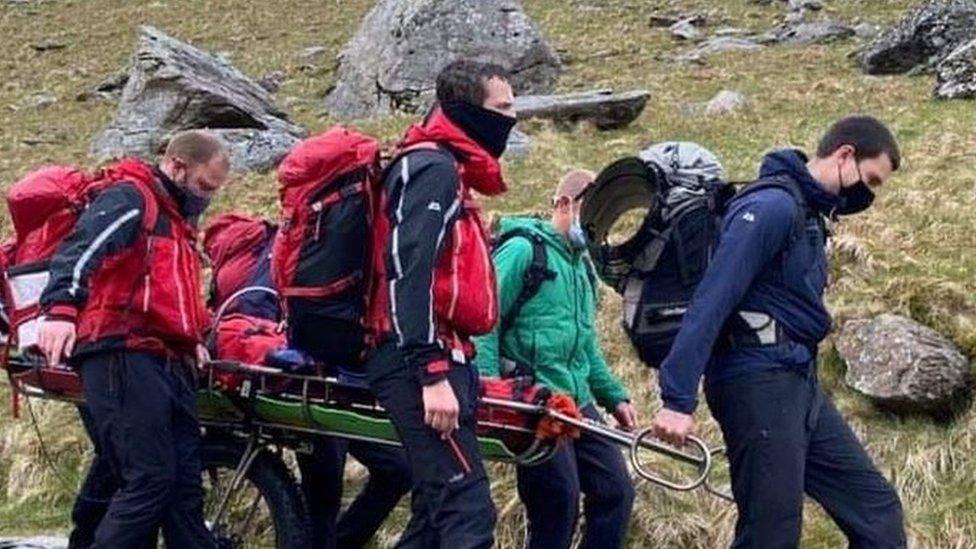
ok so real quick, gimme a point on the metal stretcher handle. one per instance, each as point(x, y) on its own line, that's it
point(635, 442)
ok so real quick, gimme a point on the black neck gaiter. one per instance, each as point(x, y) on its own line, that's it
point(486, 127)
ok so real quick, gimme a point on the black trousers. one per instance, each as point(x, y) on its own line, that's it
point(322, 470)
point(322, 473)
point(100, 484)
point(452, 506)
point(786, 438)
point(143, 409)
point(551, 493)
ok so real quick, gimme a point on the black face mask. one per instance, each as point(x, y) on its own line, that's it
point(488, 128)
point(193, 206)
point(854, 198)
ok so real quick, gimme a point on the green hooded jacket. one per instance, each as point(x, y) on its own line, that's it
point(554, 333)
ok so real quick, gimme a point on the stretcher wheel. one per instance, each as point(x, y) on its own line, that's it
point(264, 510)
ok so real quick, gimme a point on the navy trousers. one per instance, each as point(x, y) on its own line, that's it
point(451, 504)
point(322, 473)
point(786, 438)
point(143, 409)
point(551, 493)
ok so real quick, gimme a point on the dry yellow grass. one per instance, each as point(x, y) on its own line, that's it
point(913, 254)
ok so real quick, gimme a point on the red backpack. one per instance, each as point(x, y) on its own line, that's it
point(239, 249)
point(329, 186)
point(44, 207)
point(246, 339)
point(238, 246)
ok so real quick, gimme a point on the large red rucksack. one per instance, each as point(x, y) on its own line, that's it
point(239, 249)
point(44, 207)
point(329, 186)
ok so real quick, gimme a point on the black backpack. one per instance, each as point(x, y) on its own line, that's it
point(657, 270)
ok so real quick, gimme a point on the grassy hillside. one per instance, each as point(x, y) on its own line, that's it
point(913, 254)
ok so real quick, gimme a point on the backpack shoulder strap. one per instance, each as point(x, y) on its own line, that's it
point(788, 185)
point(534, 275)
point(140, 177)
point(591, 275)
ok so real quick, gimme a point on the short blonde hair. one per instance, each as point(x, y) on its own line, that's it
point(195, 147)
point(574, 183)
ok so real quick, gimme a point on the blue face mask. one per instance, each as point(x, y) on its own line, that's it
point(577, 236)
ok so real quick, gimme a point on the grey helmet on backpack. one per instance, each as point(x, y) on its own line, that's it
point(684, 190)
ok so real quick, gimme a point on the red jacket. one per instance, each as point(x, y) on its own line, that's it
point(126, 285)
point(435, 286)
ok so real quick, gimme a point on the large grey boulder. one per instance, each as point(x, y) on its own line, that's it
point(392, 61)
point(925, 37)
point(173, 86)
point(957, 74)
point(605, 109)
point(903, 366)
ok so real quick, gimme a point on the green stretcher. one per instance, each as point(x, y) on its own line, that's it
point(266, 405)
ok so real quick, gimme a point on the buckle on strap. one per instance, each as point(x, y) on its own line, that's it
point(457, 355)
point(755, 329)
point(338, 196)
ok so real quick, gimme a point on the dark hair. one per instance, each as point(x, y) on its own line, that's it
point(465, 80)
point(868, 135)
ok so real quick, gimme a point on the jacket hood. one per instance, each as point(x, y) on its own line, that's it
point(792, 163)
point(478, 169)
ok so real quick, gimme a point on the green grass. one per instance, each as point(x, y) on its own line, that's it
point(912, 254)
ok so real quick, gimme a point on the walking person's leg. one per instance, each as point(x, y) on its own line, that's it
point(322, 472)
point(842, 478)
point(608, 492)
point(96, 491)
point(452, 503)
point(131, 402)
point(763, 421)
point(550, 492)
point(389, 480)
point(183, 525)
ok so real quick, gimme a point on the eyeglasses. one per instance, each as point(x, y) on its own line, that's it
point(574, 200)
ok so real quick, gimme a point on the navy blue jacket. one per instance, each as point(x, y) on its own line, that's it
point(761, 264)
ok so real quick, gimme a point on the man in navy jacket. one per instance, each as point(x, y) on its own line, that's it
point(752, 329)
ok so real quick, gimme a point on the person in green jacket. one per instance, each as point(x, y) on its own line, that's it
point(552, 336)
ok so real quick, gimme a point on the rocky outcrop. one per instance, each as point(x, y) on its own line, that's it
point(957, 74)
point(392, 61)
point(173, 86)
point(903, 366)
point(925, 37)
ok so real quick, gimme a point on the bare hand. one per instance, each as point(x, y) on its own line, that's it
point(441, 409)
point(56, 339)
point(673, 427)
point(626, 416)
